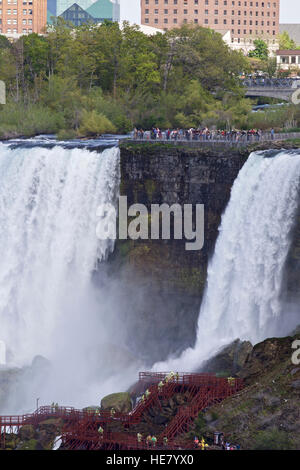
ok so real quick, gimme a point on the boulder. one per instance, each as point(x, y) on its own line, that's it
point(296, 384)
point(264, 356)
point(47, 432)
point(230, 359)
point(27, 432)
point(52, 426)
point(119, 401)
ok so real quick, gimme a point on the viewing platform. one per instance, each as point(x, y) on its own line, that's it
point(241, 141)
point(81, 427)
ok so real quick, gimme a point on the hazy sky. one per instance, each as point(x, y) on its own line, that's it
point(290, 11)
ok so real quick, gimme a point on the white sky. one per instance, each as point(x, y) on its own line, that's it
point(290, 11)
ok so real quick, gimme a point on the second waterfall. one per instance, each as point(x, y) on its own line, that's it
point(245, 276)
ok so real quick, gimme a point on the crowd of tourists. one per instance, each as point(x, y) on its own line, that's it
point(200, 134)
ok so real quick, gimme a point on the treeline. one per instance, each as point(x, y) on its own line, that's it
point(99, 79)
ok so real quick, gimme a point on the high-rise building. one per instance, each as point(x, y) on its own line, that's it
point(81, 11)
point(245, 19)
point(63, 5)
point(51, 7)
point(22, 17)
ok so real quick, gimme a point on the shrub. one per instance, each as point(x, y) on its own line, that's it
point(93, 124)
point(30, 120)
point(272, 439)
point(66, 134)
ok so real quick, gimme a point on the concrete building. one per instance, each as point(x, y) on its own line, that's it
point(288, 59)
point(246, 20)
point(22, 17)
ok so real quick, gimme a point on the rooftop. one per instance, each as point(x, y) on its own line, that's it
point(288, 52)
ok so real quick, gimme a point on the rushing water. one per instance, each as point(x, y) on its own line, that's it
point(243, 293)
point(49, 252)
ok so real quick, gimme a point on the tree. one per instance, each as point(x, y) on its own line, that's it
point(261, 50)
point(285, 42)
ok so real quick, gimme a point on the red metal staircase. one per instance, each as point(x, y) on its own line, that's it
point(80, 429)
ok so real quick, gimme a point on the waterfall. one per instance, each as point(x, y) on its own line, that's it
point(48, 243)
point(49, 252)
point(243, 293)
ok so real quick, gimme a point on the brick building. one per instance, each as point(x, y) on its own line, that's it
point(18, 17)
point(245, 19)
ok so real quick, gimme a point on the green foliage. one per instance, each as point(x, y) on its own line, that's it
point(285, 117)
point(66, 134)
point(95, 124)
point(261, 50)
point(199, 427)
point(98, 78)
point(272, 440)
point(29, 120)
point(285, 42)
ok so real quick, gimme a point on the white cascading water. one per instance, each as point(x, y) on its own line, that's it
point(49, 251)
point(242, 298)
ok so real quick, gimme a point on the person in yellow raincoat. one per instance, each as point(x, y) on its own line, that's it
point(149, 440)
point(202, 444)
point(101, 432)
point(160, 386)
point(231, 381)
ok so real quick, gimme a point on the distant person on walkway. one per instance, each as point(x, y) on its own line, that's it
point(272, 133)
point(160, 386)
point(148, 441)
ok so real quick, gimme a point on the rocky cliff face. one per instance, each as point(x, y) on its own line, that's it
point(265, 415)
point(164, 281)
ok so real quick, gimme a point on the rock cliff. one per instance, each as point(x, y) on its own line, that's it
point(163, 281)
